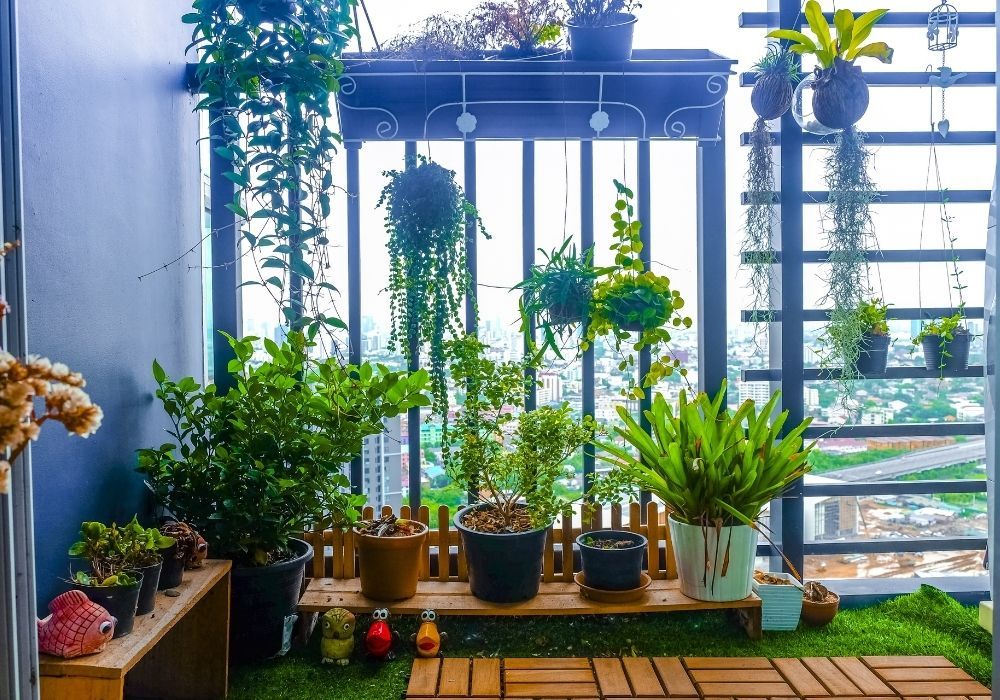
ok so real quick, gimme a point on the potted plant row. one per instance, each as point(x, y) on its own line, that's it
point(255, 467)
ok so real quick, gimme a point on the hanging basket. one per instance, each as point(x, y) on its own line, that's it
point(637, 309)
point(840, 95)
point(771, 96)
point(873, 355)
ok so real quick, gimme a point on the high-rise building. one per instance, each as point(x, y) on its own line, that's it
point(550, 390)
point(758, 392)
point(381, 458)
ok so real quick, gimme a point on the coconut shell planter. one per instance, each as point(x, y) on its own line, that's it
point(819, 604)
point(840, 95)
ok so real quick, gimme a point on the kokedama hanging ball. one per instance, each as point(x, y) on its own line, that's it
point(772, 92)
point(840, 95)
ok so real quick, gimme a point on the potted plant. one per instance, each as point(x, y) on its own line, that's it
point(188, 551)
point(840, 93)
point(612, 559)
point(517, 28)
point(142, 550)
point(715, 470)
point(557, 295)
point(601, 30)
point(819, 604)
point(945, 342)
point(426, 214)
point(108, 583)
point(873, 354)
point(512, 462)
point(781, 599)
point(634, 305)
point(255, 467)
point(389, 550)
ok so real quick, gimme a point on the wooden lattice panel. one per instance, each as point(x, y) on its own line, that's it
point(711, 678)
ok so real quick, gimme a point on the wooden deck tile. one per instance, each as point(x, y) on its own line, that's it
point(747, 690)
point(424, 677)
point(726, 662)
point(831, 676)
point(861, 675)
point(511, 664)
point(939, 688)
point(611, 677)
point(486, 677)
point(950, 673)
point(800, 678)
point(540, 675)
point(551, 691)
point(454, 680)
point(642, 678)
point(751, 675)
point(905, 661)
point(674, 678)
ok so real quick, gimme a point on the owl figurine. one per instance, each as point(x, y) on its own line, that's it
point(427, 639)
point(338, 636)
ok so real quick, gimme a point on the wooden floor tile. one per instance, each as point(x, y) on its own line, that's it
point(800, 678)
point(831, 676)
point(642, 677)
point(454, 681)
point(485, 677)
point(611, 677)
point(674, 677)
point(861, 676)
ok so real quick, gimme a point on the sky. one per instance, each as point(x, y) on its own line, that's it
point(711, 24)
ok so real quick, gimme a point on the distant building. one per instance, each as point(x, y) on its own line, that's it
point(550, 390)
point(829, 517)
point(758, 392)
point(381, 458)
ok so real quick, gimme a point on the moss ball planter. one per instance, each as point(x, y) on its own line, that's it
point(390, 565)
point(503, 567)
point(840, 95)
point(612, 559)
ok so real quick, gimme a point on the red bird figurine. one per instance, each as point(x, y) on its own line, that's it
point(379, 638)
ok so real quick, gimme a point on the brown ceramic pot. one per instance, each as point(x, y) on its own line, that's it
point(390, 566)
point(819, 614)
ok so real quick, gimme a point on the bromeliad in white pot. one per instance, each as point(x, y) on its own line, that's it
point(715, 470)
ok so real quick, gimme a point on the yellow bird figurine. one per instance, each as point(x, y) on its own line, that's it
point(427, 638)
point(338, 636)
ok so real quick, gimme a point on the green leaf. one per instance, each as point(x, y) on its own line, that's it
point(878, 49)
point(818, 24)
point(804, 44)
point(844, 21)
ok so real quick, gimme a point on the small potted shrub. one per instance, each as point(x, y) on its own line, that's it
point(142, 550)
point(715, 470)
point(612, 559)
point(188, 551)
point(781, 600)
point(601, 30)
point(107, 583)
point(873, 351)
point(945, 342)
point(840, 93)
point(389, 550)
point(512, 462)
point(819, 604)
point(254, 468)
point(516, 28)
point(557, 295)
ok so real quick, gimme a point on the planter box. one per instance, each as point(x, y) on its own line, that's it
point(782, 603)
point(668, 93)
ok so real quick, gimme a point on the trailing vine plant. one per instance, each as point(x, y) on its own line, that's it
point(268, 70)
point(426, 213)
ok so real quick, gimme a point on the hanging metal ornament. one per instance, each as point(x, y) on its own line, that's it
point(942, 34)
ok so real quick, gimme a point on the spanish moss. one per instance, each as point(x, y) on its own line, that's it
point(758, 247)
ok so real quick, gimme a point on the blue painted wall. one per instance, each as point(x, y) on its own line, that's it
point(111, 188)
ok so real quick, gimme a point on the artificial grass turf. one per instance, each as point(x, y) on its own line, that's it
point(927, 622)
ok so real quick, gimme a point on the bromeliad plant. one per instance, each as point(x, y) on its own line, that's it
point(256, 466)
point(509, 458)
point(426, 214)
point(633, 305)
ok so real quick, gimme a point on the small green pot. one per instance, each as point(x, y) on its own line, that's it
point(712, 583)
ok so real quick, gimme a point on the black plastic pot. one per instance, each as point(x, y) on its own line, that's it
point(172, 572)
point(612, 569)
point(119, 601)
point(874, 355)
point(608, 42)
point(958, 353)
point(840, 95)
point(567, 311)
point(503, 568)
point(262, 597)
point(771, 95)
point(147, 591)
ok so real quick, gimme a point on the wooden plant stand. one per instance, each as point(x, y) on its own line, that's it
point(444, 587)
point(180, 650)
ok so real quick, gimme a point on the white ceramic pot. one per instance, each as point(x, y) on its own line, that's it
point(712, 583)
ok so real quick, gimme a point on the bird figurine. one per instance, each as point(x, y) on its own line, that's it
point(338, 636)
point(427, 638)
point(76, 626)
point(380, 637)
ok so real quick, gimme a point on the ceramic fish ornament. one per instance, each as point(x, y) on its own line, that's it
point(428, 639)
point(76, 626)
point(338, 637)
point(379, 638)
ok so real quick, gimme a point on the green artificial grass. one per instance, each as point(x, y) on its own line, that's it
point(927, 622)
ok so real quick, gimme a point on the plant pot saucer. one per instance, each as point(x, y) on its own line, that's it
point(601, 596)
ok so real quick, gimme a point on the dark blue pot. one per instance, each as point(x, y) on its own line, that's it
point(612, 569)
point(503, 568)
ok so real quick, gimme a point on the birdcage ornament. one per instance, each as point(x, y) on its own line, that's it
point(942, 27)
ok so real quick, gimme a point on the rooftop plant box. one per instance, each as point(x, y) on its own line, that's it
point(663, 93)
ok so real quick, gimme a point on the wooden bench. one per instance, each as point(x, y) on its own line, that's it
point(180, 650)
point(444, 587)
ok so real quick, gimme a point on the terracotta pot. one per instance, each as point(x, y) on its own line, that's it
point(819, 614)
point(840, 95)
point(390, 566)
point(771, 96)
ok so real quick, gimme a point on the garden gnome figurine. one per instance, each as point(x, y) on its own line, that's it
point(338, 637)
point(427, 638)
point(379, 639)
point(76, 626)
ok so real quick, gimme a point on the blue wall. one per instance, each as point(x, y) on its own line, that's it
point(111, 188)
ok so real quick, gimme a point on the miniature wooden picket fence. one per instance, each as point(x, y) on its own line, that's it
point(342, 564)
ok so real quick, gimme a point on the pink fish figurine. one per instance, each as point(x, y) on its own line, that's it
point(76, 627)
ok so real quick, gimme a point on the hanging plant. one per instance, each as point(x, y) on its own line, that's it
point(429, 278)
point(268, 70)
point(557, 296)
point(771, 98)
point(873, 354)
point(840, 93)
point(634, 305)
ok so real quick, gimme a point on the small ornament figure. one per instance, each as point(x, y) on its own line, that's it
point(338, 637)
point(380, 637)
point(427, 638)
point(76, 626)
